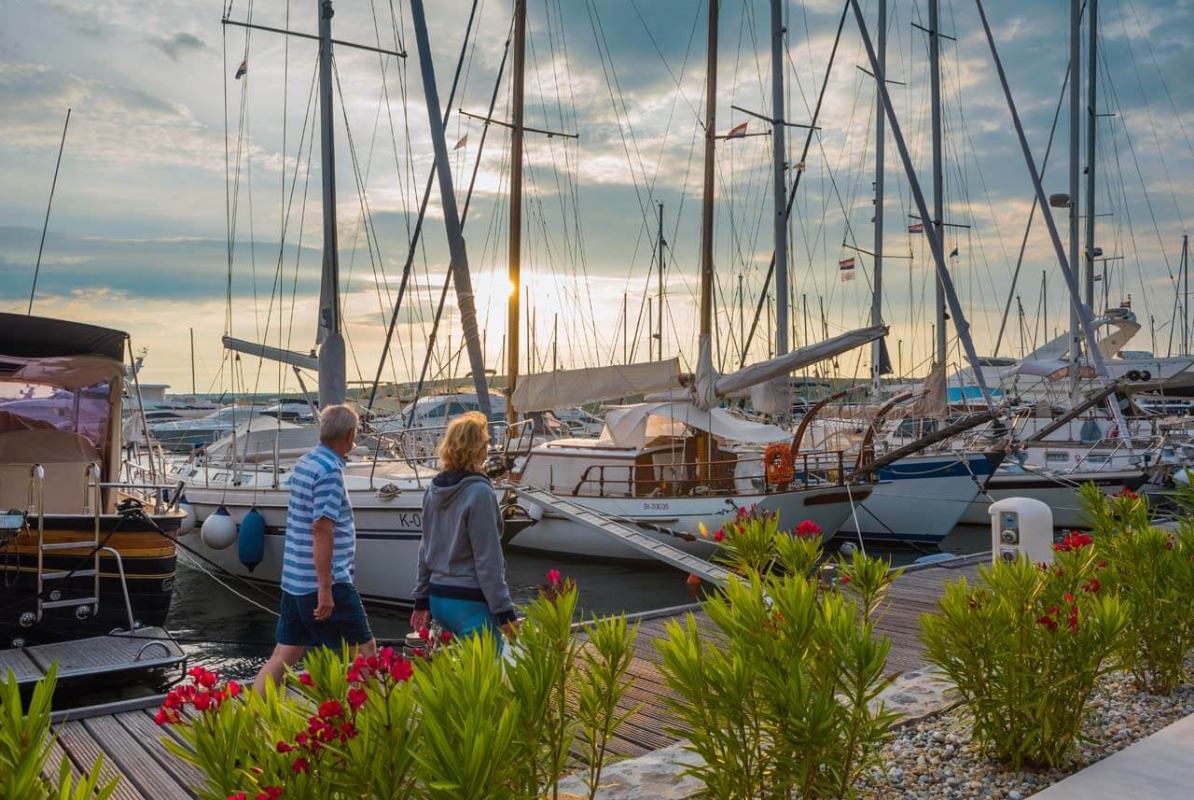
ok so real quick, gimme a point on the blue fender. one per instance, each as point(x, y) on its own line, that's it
point(250, 543)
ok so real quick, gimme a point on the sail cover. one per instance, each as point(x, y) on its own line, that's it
point(577, 387)
point(634, 426)
point(796, 359)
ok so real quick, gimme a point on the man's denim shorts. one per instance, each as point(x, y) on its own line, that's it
point(348, 624)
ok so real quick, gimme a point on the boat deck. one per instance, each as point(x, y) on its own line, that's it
point(132, 744)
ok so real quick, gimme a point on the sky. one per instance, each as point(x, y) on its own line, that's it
point(188, 201)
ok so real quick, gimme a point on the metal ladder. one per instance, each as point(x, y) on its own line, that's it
point(627, 534)
point(91, 505)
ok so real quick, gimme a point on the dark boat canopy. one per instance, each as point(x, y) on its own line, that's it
point(43, 337)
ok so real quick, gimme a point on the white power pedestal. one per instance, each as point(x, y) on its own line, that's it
point(1021, 526)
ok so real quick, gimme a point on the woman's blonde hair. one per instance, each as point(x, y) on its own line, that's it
point(466, 443)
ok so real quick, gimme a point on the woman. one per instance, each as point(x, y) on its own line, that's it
point(462, 574)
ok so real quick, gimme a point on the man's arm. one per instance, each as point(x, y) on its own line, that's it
point(324, 542)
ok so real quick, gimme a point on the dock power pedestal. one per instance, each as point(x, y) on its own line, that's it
point(1021, 526)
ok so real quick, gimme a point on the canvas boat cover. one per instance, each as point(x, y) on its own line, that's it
point(576, 387)
point(635, 425)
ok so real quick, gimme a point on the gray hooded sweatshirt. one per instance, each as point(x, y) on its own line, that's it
point(460, 556)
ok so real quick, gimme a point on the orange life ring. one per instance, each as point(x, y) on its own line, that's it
point(779, 463)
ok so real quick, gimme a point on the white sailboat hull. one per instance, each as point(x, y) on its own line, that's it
point(1061, 495)
point(829, 507)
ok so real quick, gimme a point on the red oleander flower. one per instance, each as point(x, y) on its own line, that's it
point(445, 637)
point(233, 688)
point(162, 717)
point(844, 580)
point(424, 633)
point(270, 793)
point(202, 701)
point(419, 652)
point(354, 674)
point(1069, 598)
point(1128, 494)
point(808, 528)
point(305, 679)
point(299, 766)
point(196, 672)
point(238, 796)
point(719, 536)
point(208, 679)
point(329, 709)
point(1092, 586)
point(301, 737)
point(284, 747)
point(356, 698)
point(553, 576)
point(347, 731)
point(401, 669)
point(1072, 620)
point(1074, 540)
point(1048, 622)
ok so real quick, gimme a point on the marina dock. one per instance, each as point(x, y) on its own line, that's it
point(131, 743)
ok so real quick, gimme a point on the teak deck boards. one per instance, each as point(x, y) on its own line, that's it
point(132, 744)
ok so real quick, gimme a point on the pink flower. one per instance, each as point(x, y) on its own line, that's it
point(202, 701)
point(162, 717)
point(330, 709)
point(356, 698)
point(553, 576)
point(807, 528)
point(402, 669)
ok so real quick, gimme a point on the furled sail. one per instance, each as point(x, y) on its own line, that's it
point(575, 387)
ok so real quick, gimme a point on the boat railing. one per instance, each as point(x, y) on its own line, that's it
point(705, 478)
point(419, 446)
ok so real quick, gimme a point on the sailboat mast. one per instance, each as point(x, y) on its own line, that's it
point(659, 325)
point(514, 266)
point(1092, 117)
point(706, 320)
point(779, 187)
point(1075, 157)
point(938, 187)
point(880, 134)
point(332, 376)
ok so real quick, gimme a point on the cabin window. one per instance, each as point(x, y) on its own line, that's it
point(1054, 457)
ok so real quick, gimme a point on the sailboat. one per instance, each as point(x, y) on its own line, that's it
point(677, 462)
point(386, 495)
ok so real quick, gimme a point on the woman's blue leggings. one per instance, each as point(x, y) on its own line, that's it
point(465, 617)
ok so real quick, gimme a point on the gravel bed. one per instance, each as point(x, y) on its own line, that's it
point(934, 758)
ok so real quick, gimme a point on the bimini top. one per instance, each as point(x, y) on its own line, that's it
point(44, 337)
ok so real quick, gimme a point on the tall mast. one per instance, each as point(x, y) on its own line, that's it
point(659, 325)
point(514, 267)
point(1092, 72)
point(880, 133)
point(706, 330)
point(332, 377)
point(1185, 295)
point(1075, 157)
point(938, 188)
point(779, 188)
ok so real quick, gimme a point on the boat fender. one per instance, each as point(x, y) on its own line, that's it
point(188, 517)
point(250, 541)
point(1145, 375)
point(219, 530)
point(1133, 374)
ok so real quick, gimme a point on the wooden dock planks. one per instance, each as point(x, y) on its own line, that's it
point(132, 744)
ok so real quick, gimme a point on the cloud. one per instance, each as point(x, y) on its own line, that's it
point(181, 44)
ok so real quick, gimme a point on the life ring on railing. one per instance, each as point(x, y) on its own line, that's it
point(779, 463)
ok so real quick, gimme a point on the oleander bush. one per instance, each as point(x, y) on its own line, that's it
point(782, 694)
point(1025, 647)
point(457, 720)
point(25, 744)
point(1152, 571)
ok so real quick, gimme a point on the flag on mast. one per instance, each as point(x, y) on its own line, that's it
point(916, 227)
point(846, 268)
point(737, 132)
point(953, 253)
point(242, 69)
point(463, 141)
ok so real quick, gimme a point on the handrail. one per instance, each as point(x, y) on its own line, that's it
point(124, 586)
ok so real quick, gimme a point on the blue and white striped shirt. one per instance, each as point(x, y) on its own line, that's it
point(317, 490)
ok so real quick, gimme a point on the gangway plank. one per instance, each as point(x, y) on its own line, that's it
point(627, 534)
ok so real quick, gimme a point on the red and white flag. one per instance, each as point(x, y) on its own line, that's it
point(846, 268)
point(737, 132)
point(916, 227)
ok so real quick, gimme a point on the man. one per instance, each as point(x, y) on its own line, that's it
point(319, 604)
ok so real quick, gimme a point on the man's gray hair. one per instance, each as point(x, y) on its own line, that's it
point(336, 422)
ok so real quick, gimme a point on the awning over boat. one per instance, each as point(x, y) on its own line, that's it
point(68, 372)
point(634, 426)
point(44, 337)
point(576, 387)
